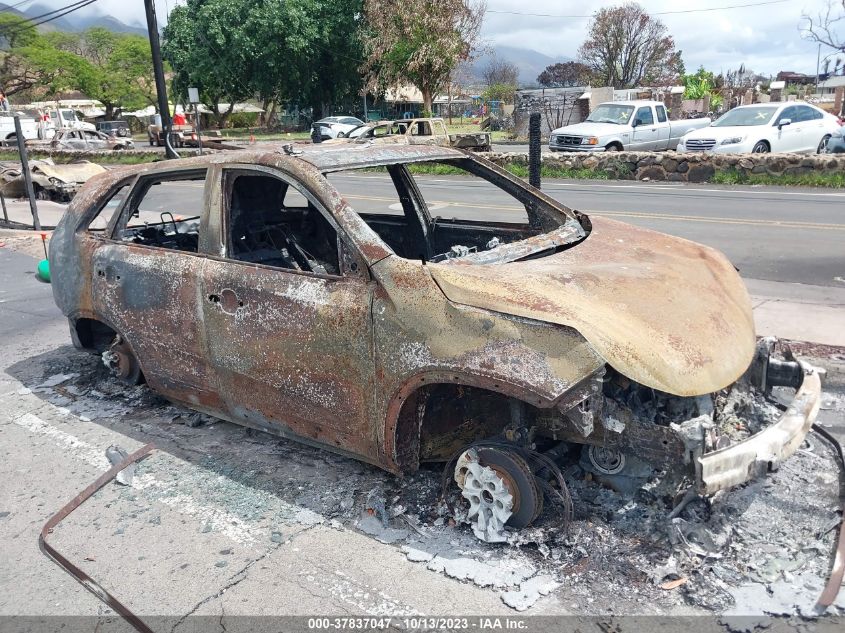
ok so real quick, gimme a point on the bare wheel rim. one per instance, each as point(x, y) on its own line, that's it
point(501, 490)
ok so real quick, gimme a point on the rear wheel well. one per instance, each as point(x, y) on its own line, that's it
point(437, 420)
point(94, 335)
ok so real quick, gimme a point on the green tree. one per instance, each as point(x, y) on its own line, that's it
point(231, 50)
point(117, 70)
point(420, 42)
point(207, 47)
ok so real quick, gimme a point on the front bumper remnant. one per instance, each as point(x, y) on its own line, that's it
point(764, 451)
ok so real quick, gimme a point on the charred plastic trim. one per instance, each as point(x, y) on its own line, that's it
point(84, 579)
point(837, 571)
point(764, 451)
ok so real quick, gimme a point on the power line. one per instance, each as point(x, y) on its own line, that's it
point(60, 12)
point(725, 8)
point(44, 15)
point(17, 4)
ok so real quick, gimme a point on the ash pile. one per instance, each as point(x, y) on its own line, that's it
point(761, 548)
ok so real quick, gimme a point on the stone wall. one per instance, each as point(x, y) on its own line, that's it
point(674, 167)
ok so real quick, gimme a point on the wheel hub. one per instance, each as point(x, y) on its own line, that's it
point(117, 360)
point(491, 500)
point(607, 461)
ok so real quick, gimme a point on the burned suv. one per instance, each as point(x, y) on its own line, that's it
point(330, 295)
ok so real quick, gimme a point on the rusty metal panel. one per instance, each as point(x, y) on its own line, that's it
point(292, 350)
point(668, 313)
point(421, 338)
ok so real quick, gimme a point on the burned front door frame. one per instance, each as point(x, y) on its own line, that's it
point(158, 316)
point(293, 350)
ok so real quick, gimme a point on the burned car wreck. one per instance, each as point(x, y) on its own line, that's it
point(247, 287)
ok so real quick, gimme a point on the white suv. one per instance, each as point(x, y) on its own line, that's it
point(335, 126)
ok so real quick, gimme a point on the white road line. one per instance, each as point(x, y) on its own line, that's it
point(170, 494)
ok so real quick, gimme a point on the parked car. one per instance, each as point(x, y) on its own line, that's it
point(425, 131)
point(247, 286)
point(334, 126)
point(836, 143)
point(88, 140)
point(114, 128)
point(624, 125)
point(49, 181)
point(29, 127)
point(792, 126)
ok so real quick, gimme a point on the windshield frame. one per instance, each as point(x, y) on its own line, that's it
point(742, 109)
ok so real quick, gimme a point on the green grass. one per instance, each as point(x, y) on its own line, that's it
point(115, 158)
point(521, 171)
point(735, 177)
point(264, 135)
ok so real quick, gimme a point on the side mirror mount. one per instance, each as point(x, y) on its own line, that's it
point(637, 122)
point(783, 122)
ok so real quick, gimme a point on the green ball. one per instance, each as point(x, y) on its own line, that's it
point(44, 270)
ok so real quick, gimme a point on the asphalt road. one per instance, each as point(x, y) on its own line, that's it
point(790, 235)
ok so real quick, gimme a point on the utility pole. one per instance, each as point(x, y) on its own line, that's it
point(27, 175)
point(818, 61)
point(158, 72)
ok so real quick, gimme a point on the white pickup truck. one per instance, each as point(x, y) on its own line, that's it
point(624, 125)
point(29, 127)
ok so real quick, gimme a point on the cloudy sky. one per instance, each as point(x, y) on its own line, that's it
point(766, 38)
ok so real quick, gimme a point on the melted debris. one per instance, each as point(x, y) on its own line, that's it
point(718, 555)
point(742, 412)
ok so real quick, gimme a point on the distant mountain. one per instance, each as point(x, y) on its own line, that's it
point(530, 62)
point(76, 21)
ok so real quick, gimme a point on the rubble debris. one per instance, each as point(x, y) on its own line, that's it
point(779, 526)
point(86, 581)
point(50, 181)
point(674, 584)
point(115, 455)
point(529, 592)
point(371, 525)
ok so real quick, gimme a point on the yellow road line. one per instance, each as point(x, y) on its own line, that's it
point(785, 224)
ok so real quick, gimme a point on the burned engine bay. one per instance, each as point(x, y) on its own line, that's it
point(625, 435)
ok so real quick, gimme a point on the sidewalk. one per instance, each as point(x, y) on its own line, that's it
point(49, 213)
point(800, 312)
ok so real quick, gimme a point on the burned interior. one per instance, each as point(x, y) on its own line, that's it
point(252, 288)
point(421, 233)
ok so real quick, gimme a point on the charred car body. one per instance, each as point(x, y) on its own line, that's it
point(49, 181)
point(398, 338)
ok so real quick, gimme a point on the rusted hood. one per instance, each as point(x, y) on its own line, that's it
point(666, 312)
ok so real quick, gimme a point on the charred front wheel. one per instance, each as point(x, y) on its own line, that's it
point(501, 490)
point(120, 359)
